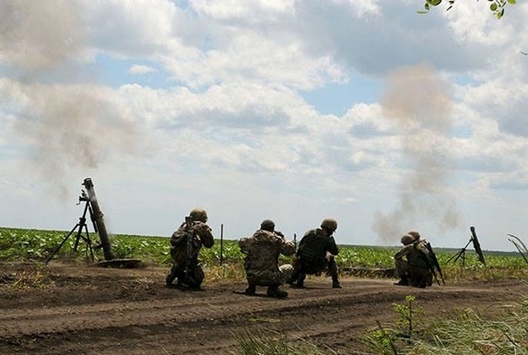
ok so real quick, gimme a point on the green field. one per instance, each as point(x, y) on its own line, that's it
point(37, 245)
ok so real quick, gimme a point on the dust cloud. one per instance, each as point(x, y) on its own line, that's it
point(418, 103)
point(66, 126)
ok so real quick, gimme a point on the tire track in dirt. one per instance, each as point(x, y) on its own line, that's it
point(21, 322)
point(93, 311)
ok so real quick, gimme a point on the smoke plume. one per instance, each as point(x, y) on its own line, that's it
point(417, 101)
point(67, 126)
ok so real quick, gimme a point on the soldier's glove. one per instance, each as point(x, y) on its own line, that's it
point(279, 233)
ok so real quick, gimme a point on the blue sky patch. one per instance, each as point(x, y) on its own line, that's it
point(116, 72)
point(337, 99)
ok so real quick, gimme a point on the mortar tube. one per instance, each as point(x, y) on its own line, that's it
point(99, 220)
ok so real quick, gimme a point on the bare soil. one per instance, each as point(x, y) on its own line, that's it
point(76, 309)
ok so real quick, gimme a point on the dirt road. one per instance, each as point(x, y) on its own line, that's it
point(77, 309)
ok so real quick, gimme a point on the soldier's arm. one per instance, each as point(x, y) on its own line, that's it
point(205, 233)
point(403, 252)
point(333, 249)
point(177, 237)
point(244, 244)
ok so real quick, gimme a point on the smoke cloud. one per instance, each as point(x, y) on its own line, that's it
point(417, 101)
point(66, 126)
point(39, 35)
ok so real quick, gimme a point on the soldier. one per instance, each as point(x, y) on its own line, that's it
point(316, 254)
point(262, 259)
point(186, 243)
point(413, 263)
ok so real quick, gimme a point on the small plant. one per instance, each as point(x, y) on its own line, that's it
point(381, 341)
point(406, 316)
point(387, 341)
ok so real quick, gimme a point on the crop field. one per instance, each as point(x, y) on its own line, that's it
point(31, 244)
point(26, 244)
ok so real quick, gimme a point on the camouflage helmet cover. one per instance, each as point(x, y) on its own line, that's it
point(414, 234)
point(199, 214)
point(329, 224)
point(407, 239)
point(267, 225)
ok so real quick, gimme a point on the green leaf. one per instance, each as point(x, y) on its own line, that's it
point(434, 2)
point(513, 2)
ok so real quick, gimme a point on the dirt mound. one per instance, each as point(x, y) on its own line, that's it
point(75, 309)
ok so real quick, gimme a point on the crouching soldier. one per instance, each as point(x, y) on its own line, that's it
point(186, 243)
point(316, 254)
point(262, 259)
point(413, 262)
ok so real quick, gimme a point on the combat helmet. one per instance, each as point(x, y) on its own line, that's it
point(199, 214)
point(407, 239)
point(415, 235)
point(329, 224)
point(267, 225)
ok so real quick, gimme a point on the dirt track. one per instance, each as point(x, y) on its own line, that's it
point(88, 310)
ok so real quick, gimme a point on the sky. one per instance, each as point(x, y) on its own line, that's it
point(360, 110)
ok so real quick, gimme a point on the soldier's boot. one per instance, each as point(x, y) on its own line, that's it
point(421, 282)
point(293, 277)
point(429, 280)
point(274, 291)
point(250, 291)
point(332, 270)
point(299, 281)
point(404, 281)
point(171, 277)
point(335, 282)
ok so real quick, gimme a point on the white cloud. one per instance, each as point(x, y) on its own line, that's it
point(141, 69)
point(245, 11)
point(230, 130)
point(131, 28)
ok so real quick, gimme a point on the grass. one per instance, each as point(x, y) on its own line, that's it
point(464, 332)
point(32, 279)
point(264, 341)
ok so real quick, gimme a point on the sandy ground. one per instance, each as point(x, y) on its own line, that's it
point(77, 309)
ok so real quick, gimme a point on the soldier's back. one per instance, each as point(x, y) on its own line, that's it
point(314, 244)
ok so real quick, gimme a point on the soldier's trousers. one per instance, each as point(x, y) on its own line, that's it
point(268, 278)
point(402, 268)
point(304, 266)
point(416, 275)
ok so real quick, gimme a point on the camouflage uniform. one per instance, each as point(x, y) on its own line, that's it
point(262, 260)
point(201, 235)
point(413, 262)
point(316, 254)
